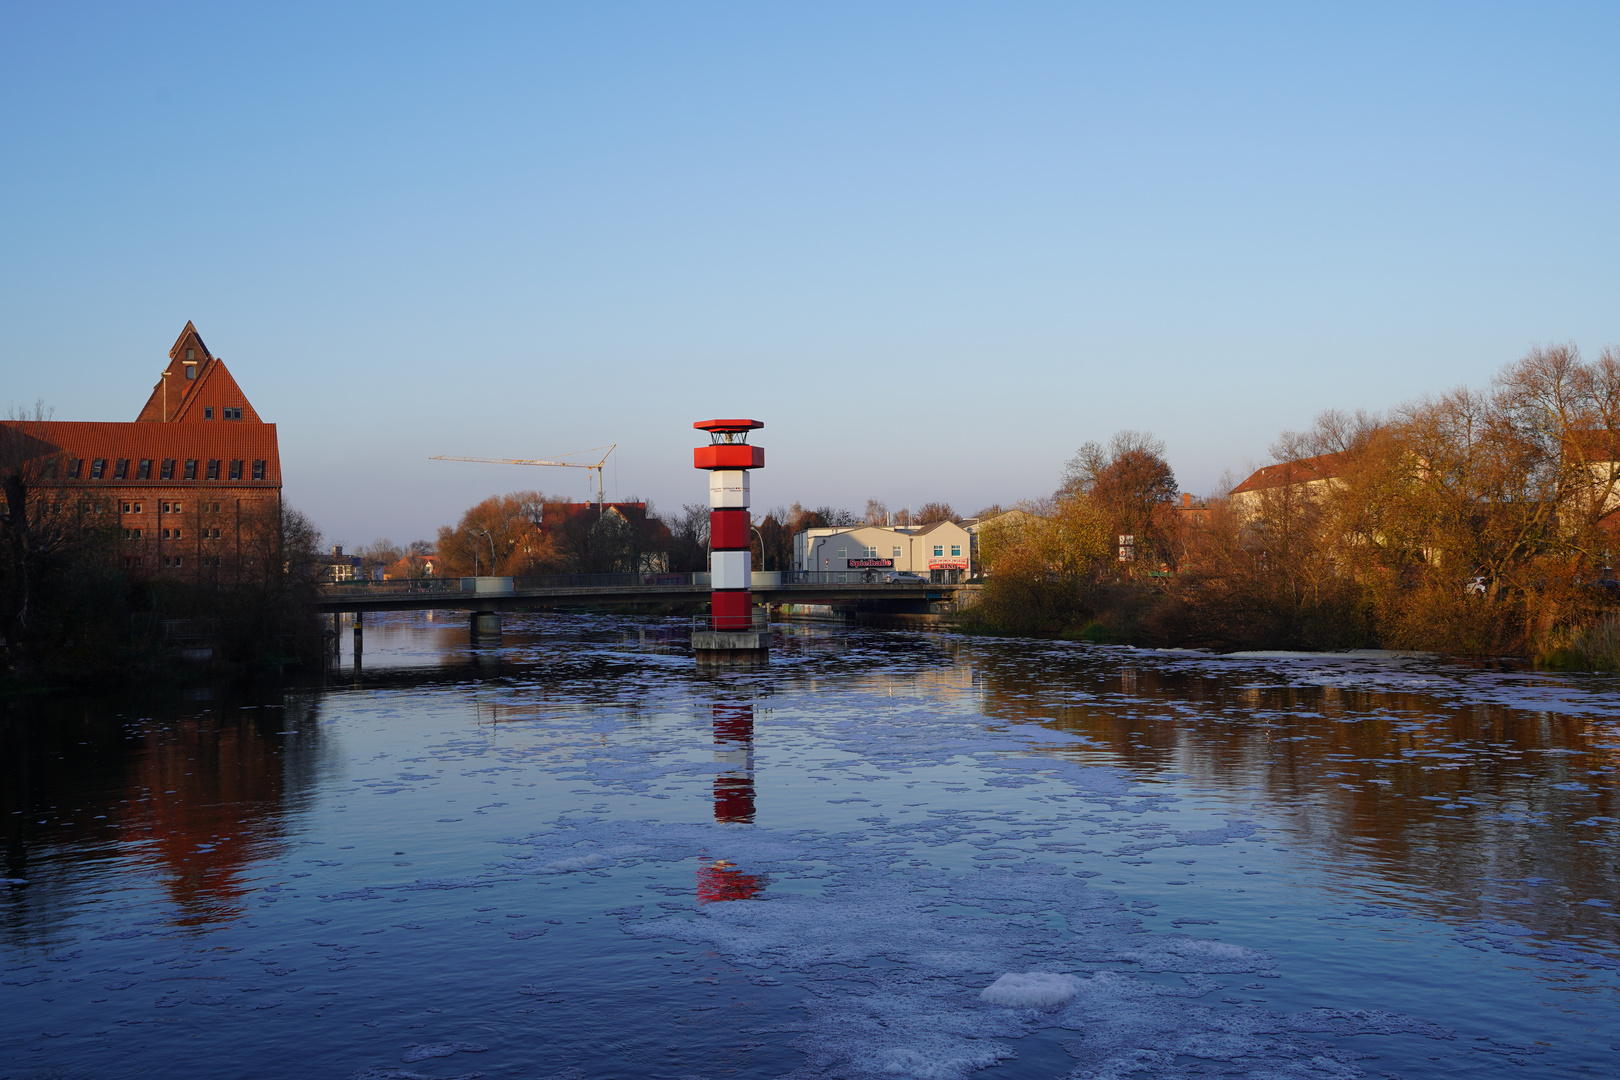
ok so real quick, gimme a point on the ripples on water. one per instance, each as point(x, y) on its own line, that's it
point(576, 856)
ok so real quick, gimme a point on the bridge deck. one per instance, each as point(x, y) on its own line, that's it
point(368, 599)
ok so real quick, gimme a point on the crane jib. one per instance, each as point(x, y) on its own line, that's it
point(596, 469)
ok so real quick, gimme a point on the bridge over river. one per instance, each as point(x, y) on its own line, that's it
point(851, 594)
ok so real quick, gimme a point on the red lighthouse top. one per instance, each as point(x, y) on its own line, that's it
point(728, 447)
point(728, 427)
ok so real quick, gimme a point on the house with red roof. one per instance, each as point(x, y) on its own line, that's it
point(178, 482)
point(1312, 477)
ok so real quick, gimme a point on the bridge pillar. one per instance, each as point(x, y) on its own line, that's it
point(731, 637)
point(486, 626)
point(359, 634)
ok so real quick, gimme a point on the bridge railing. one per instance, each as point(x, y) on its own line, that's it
point(365, 587)
point(844, 577)
point(606, 581)
point(759, 619)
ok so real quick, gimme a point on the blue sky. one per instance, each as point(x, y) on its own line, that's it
point(934, 247)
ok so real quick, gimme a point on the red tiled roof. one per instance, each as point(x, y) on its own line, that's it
point(224, 440)
point(1597, 446)
point(1302, 471)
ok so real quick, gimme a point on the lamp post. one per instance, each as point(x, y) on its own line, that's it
point(491, 540)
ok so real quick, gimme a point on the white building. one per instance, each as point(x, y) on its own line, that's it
point(939, 552)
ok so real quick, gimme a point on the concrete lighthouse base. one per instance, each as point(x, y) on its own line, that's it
point(732, 648)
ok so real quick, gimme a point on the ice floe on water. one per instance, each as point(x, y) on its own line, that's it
point(1031, 989)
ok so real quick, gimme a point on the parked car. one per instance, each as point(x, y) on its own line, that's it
point(904, 577)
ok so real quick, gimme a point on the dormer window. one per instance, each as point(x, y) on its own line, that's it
point(208, 412)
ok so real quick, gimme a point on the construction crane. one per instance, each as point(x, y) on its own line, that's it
point(597, 468)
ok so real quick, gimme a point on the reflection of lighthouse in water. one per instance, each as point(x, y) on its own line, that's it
point(733, 801)
point(734, 749)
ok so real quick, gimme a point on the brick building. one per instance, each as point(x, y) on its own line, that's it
point(181, 482)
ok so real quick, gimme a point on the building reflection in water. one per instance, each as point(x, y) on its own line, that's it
point(190, 801)
point(733, 800)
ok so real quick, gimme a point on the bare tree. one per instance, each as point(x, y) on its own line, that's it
point(689, 539)
point(877, 512)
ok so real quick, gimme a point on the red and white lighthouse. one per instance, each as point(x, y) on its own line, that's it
point(728, 459)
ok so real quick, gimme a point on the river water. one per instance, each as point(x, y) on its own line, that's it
point(573, 855)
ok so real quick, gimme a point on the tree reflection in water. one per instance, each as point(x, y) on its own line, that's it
point(1465, 802)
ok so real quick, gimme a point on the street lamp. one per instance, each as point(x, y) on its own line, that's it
point(491, 540)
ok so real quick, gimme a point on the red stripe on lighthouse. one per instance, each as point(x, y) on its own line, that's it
point(729, 530)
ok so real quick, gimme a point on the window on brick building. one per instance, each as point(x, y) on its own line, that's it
point(258, 469)
point(143, 471)
point(137, 533)
point(165, 534)
point(52, 467)
point(137, 508)
point(121, 469)
point(191, 468)
point(177, 534)
point(168, 469)
point(236, 470)
point(175, 508)
point(126, 508)
point(208, 412)
point(213, 468)
point(73, 466)
point(213, 508)
point(97, 467)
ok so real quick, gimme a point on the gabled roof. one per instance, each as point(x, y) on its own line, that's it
point(1302, 471)
point(215, 386)
point(175, 397)
point(931, 526)
point(177, 350)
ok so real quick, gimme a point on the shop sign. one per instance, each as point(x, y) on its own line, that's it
point(870, 564)
point(947, 564)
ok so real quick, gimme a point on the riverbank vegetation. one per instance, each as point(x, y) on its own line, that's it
point(1479, 523)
